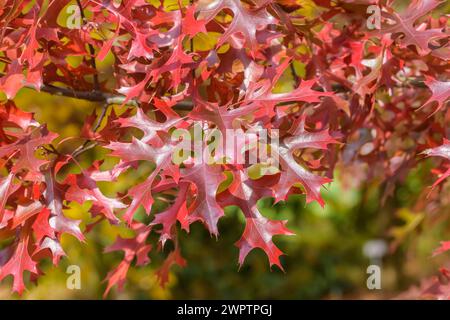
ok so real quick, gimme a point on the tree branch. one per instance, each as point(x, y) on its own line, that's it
point(94, 96)
point(85, 146)
point(99, 96)
point(91, 51)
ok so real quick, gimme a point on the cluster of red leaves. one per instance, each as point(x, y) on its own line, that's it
point(364, 97)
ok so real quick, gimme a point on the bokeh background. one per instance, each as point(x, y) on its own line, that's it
point(324, 260)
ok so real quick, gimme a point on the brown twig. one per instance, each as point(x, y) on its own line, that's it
point(85, 146)
point(91, 51)
point(99, 96)
point(94, 96)
point(294, 75)
point(105, 106)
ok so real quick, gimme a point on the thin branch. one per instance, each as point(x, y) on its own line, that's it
point(91, 51)
point(90, 144)
point(100, 119)
point(85, 146)
point(294, 75)
point(99, 96)
point(94, 96)
point(50, 149)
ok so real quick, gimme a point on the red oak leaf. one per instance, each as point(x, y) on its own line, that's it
point(83, 188)
point(7, 187)
point(174, 258)
point(445, 246)
point(141, 194)
point(177, 212)
point(24, 149)
point(245, 22)
point(150, 127)
point(442, 151)
point(53, 195)
point(11, 115)
point(206, 179)
point(259, 230)
point(23, 213)
point(133, 248)
point(41, 226)
point(192, 26)
point(292, 171)
point(261, 92)
point(414, 35)
point(258, 233)
point(13, 81)
point(441, 92)
point(20, 261)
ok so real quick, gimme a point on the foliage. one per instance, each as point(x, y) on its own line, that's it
point(371, 101)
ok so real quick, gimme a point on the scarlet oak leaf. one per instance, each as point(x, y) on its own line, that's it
point(300, 138)
point(259, 230)
point(368, 83)
point(441, 92)
point(445, 246)
point(176, 65)
point(168, 218)
point(174, 258)
point(150, 127)
point(11, 115)
point(24, 149)
point(19, 262)
point(220, 115)
point(23, 213)
point(7, 187)
point(41, 226)
point(84, 189)
point(245, 22)
point(296, 173)
point(134, 91)
point(118, 276)
point(261, 92)
point(206, 179)
point(442, 151)
point(292, 171)
point(110, 175)
point(141, 194)
point(255, 66)
point(413, 35)
point(258, 233)
point(139, 150)
point(54, 248)
point(133, 248)
point(192, 26)
point(13, 81)
point(140, 47)
point(54, 201)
